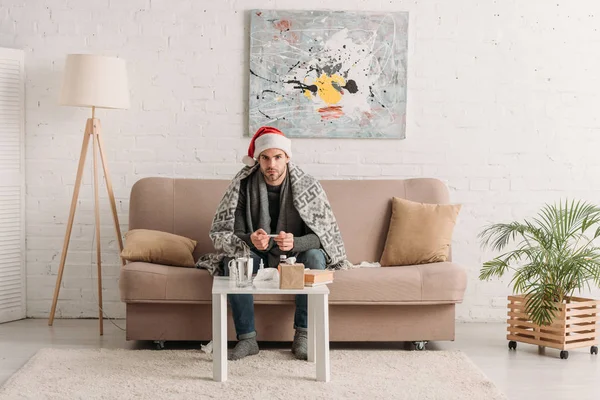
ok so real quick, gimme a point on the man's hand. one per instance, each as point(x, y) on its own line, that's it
point(260, 239)
point(285, 241)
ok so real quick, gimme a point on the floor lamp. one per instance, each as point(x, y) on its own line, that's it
point(96, 82)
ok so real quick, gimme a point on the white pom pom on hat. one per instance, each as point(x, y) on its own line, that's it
point(249, 161)
point(266, 137)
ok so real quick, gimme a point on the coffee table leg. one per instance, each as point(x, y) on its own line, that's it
point(311, 328)
point(322, 336)
point(219, 335)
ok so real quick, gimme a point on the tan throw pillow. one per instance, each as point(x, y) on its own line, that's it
point(419, 233)
point(158, 247)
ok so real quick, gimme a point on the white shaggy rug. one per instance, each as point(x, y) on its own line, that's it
point(273, 374)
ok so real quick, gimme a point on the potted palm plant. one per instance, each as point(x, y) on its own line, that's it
point(552, 256)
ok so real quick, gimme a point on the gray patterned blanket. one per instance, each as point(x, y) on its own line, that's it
point(309, 199)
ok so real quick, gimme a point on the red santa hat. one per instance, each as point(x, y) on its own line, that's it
point(266, 137)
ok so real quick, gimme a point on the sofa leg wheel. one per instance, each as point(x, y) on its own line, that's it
point(594, 350)
point(159, 344)
point(512, 345)
point(564, 355)
point(420, 345)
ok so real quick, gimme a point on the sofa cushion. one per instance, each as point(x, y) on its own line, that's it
point(442, 282)
point(158, 247)
point(419, 233)
point(427, 283)
point(142, 281)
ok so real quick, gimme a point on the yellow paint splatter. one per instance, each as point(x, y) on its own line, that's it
point(327, 92)
point(325, 89)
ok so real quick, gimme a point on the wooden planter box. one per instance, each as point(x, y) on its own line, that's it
point(574, 326)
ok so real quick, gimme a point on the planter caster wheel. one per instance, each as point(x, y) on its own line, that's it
point(564, 355)
point(594, 350)
point(512, 345)
point(420, 345)
point(159, 344)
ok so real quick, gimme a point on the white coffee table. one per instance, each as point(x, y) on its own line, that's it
point(318, 323)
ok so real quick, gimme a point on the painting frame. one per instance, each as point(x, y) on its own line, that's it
point(329, 74)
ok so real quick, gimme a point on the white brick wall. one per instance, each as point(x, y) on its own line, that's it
point(502, 105)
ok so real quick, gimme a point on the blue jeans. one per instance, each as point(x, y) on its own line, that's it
point(242, 305)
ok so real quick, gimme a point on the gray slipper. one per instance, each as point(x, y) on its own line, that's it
point(243, 348)
point(300, 345)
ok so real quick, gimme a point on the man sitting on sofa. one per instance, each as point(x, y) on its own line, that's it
point(275, 197)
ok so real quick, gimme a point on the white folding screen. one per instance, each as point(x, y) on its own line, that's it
point(12, 185)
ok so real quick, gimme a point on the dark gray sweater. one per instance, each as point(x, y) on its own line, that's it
point(304, 238)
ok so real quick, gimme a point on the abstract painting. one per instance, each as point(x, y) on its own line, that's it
point(328, 74)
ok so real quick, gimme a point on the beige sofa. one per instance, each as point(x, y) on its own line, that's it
point(408, 303)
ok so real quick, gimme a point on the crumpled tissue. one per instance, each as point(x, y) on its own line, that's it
point(208, 348)
point(266, 277)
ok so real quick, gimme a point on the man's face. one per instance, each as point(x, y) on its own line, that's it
point(273, 165)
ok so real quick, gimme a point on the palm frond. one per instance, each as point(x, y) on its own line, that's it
point(540, 304)
point(495, 267)
point(497, 236)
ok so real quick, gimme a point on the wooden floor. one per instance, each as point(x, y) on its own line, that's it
point(522, 374)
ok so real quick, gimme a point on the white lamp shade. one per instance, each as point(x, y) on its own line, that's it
point(95, 81)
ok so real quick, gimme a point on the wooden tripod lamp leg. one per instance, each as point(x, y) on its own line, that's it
point(98, 250)
point(111, 195)
point(63, 257)
point(93, 129)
